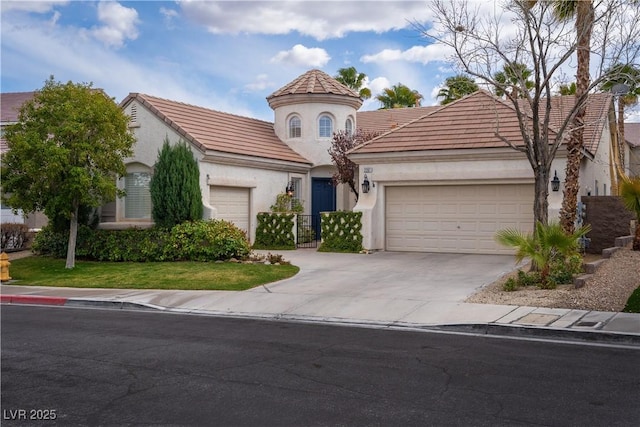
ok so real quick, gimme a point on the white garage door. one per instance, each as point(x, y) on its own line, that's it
point(455, 218)
point(232, 204)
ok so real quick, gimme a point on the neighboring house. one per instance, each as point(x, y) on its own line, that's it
point(10, 104)
point(632, 135)
point(446, 183)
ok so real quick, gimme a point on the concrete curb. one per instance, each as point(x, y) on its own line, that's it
point(32, 299)
point(489, 329)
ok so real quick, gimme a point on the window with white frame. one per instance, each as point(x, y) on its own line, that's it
point(325, 126)
point(348, 126)
point(295, 127)
point(137, 203)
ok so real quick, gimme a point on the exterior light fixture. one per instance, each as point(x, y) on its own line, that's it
point(555, 182)
point(289, 189)
point(365, 184)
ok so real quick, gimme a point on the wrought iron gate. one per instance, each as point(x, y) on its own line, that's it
point(306, 232)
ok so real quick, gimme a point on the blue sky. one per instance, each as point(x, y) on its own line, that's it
point(225, 55)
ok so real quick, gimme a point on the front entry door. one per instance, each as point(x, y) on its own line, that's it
point(323, 199)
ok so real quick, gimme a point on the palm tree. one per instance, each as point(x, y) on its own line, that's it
point(567, 89)
point(547, 244)
point(630, 193)
point(583, 12)
point(399, 96)
point(627, 75)
point(456, 87)
point(515, 76)
point(354, 80)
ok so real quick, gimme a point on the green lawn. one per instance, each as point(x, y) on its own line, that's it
point(633, 304)
point(45, 271)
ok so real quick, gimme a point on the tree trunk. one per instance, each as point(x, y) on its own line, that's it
point(621, 141)
point(636, 239)
point(73, 234)
point(584, 25)
point(541, 197)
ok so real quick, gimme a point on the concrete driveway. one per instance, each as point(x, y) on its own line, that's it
point(391, 275)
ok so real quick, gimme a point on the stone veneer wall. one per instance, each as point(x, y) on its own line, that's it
point(608, 218)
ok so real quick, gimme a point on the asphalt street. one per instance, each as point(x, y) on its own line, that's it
point(103, 367)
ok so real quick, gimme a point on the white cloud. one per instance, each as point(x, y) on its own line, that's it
point(318, 19)
point(169, 16)
point(31, 6)
point(119, 24)
point(419, 54)
point(303, 56)
point(261, 83)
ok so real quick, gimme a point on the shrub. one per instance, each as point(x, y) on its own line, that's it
point(563, 269)
point(510, 285)
point(207, 241)
point(192, 241)
point(13, 236)
point(175, 186)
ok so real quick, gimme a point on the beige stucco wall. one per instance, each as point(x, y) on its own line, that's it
point(264, 178)
point(500, 166)
point(310, 145)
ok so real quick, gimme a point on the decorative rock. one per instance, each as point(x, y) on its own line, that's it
point(581, 280)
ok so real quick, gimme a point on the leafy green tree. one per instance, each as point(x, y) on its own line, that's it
point(630, 193)
point(399, 96)
point(66, 151)
point(351, 78)
point(513, 81)
point(456, 87)
point(175, 186)
point(548, 244)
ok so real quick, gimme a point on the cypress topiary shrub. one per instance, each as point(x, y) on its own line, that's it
point(175, 186)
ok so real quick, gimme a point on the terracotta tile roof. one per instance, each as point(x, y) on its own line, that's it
point(632, 134)
point(10, 104)
point(214, 130)
point(596, 116)
point(387, 119)
point(471, 122)
point(316, 82)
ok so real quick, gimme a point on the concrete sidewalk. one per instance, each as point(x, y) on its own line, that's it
point(384, 289)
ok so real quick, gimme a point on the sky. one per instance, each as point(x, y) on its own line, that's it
point(224, 55)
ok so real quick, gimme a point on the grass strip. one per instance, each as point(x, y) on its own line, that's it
point(45, 271)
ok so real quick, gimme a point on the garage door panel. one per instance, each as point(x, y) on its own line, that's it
point(231, 204)
point(457, 218)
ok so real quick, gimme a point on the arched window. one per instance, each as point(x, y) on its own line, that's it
point(137, 203)
point(348, 126)
point(295, 127)
point(325, 128)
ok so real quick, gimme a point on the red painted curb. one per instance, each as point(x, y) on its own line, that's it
point(32, 299)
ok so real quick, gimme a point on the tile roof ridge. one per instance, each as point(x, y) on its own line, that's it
point(145, 96)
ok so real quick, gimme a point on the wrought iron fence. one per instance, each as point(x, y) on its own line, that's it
point(306, 232)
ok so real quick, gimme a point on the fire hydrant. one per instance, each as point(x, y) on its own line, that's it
point(4, 267)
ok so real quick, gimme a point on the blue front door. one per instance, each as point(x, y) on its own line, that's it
point(323, 199)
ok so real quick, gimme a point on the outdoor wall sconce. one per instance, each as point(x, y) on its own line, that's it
point(365, 184)
point(289, 189)
point(555, 182)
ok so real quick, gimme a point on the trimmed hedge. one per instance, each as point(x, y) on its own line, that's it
point(209, 240)
point(275, 231)
point(341, 232)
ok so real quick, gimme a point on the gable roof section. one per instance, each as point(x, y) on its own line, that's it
point(387, 119)
point(632, 134)
point(469, 122)
point(10, 104)
point(217, 131)
point(472, 122)
point(315, 82)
